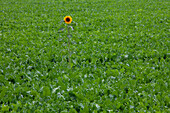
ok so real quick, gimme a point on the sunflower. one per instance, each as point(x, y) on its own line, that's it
point(67, 19)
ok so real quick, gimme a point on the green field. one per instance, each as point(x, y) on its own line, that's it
point(120, 56)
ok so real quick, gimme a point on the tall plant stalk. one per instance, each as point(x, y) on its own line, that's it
point(69, 58)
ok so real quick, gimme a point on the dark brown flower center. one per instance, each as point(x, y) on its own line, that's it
point(68, 19)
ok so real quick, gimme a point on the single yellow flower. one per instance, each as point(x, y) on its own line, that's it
point(67, 19)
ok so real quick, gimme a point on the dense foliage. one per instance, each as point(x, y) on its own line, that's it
point(120, 52)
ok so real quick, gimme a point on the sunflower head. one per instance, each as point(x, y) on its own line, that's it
point(67, 19)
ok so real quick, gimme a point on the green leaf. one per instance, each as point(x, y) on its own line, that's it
point(46, 91)
point(5, 108)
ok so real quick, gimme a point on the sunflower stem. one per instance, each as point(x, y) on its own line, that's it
point(69, 45)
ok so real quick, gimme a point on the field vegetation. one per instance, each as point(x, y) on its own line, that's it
point(120, 56)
